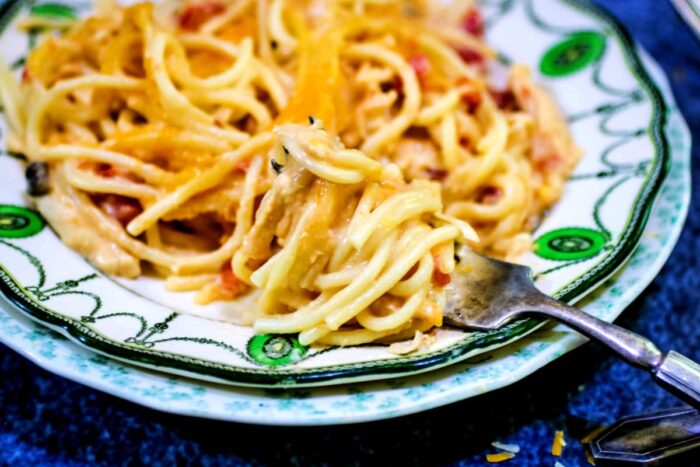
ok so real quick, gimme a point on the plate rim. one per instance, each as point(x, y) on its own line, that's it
point(689, 10)
point(377, 369)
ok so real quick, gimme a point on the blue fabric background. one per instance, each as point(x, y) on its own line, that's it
point(45, 419)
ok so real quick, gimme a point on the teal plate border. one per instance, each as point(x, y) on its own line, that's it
point(400, 366)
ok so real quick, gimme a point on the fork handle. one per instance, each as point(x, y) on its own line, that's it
point(672, 371)
point(681, 376)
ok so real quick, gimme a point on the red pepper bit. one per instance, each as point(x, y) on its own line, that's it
point(230, 284)
point(505, 99)
point(26, 76)
point(110, 171)
point(473, 23)
point(435, 174)
point(242, 166)
point(118, 207)
point(489, 194)
point(395, 84)
point(410, 272)
point(471, 98)
point(471, 56)
point(545, 155)
point(549, 163)
point(193, 16)
point(421, 65)
point(440, 278)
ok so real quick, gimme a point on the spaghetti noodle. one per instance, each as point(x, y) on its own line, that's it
point(322, 155)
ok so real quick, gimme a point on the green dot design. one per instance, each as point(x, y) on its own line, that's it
point(573, 54)
point(19, 222)
point(569, 244)
point(275, 350)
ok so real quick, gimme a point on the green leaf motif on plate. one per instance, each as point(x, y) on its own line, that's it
point(57, 11)
point(275, 350)
point(19, 222)
point(570, 244)
point(573, 54)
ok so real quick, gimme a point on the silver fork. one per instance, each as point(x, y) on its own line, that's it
point(486, 294)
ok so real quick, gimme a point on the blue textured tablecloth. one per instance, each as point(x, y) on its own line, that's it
point(45, 419)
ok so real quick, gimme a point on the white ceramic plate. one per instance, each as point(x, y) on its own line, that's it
point(616, 113)
point(377, 400)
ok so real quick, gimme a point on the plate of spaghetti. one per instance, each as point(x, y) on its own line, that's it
point(271, 192)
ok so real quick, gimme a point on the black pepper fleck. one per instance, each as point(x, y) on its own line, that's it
point(276, 166)
point(37, 175)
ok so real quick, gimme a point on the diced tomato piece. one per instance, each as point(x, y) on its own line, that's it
point(111, 171)
point(410, 272)
point(505, 99)
point(549, 163)
point(119, 207)
point(470, 56)
point(106, 172)
point(441, 279)
point(421, 65)
point(26, 76)
point(229, 282)
point(489, 194)
point(472, 99)
point(473, 23)
point(436, 174)
point(242, 166)
point(545, 154)
point(193, 16)
point(395, 84)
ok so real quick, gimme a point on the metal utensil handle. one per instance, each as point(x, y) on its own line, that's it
point(681, 376)
point(636, 349)
point(674, 372)
point(649, 439)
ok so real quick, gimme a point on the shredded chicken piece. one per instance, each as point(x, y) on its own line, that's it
point(416, 157)
point(79, 234)
point(420, 341)
point(554, 151)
